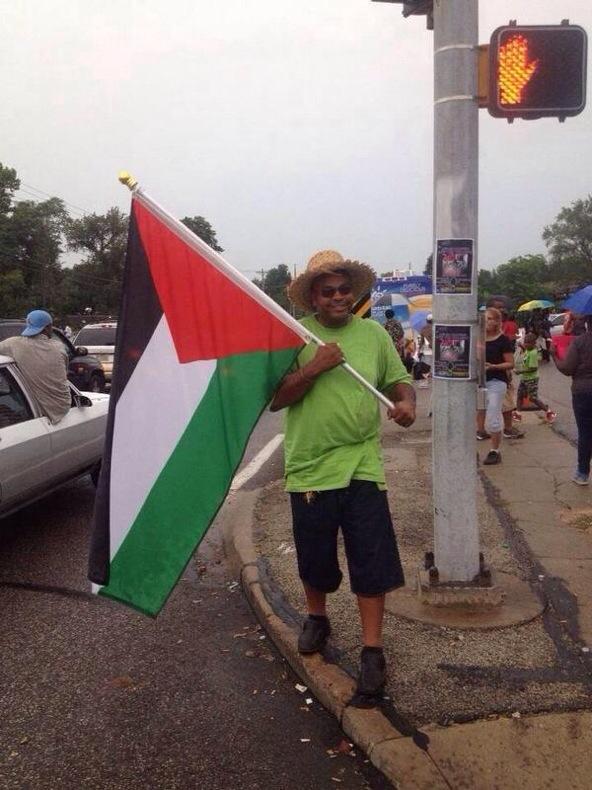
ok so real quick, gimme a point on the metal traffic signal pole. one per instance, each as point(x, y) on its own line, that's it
point(456, 532)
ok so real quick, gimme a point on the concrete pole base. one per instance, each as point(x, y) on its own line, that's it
point(509, 601)
point(470, 594)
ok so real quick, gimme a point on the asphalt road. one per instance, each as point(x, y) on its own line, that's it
point(95, 695)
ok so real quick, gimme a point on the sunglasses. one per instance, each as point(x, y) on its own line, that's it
point(328, 291)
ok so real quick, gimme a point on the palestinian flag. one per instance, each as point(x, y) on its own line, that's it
point(199, 353)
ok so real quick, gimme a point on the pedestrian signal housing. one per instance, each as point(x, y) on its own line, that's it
point(536, 71)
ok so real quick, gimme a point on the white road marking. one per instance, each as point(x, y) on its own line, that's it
point(255, 465)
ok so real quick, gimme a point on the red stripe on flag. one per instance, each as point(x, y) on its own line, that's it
point(209, 315)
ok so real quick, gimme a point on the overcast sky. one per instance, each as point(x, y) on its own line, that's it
point(291, 126)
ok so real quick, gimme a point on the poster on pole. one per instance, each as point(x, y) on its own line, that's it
point(454, 266)
point(452, 352)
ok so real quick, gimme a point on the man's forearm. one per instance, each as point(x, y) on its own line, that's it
point(293, 388)
point(402, 391)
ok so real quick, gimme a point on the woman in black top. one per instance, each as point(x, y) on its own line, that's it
point(499, 361)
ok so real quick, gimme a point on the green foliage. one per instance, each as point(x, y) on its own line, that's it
point(96, 282)
point(13, 293)
point(274, 283)
point(32, 245)
point(429, 265)
point(521, 279)
point(9, 184)
point(202, 228)
point(569, 241)
point(32, 237)
point(486, 285)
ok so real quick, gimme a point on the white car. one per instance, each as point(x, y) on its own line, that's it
point(37, 457)
point(99, 339)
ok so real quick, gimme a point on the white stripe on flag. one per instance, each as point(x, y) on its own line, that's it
point(152, 412)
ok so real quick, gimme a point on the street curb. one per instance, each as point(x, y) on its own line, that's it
point(397, 756)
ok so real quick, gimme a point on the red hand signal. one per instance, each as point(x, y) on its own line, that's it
point(515, 72)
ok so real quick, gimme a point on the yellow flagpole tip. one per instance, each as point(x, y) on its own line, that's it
point(127, 179)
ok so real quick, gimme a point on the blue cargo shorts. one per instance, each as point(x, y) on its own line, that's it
point(362, 513)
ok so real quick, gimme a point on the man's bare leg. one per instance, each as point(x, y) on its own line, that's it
point(371, 615)
point(316, 601)
point(372, 677)
point(496, 440)
point(316, 628)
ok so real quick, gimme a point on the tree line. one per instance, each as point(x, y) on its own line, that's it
point(566, 267)
point(34, 235)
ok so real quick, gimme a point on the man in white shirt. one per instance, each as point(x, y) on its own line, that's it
point(43, 363)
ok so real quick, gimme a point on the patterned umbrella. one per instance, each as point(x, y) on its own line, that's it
point(535, 304)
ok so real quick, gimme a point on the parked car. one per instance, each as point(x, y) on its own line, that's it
point(37, 457)
point(84, 371)
point(99, 339)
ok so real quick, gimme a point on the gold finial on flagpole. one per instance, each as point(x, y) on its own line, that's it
point(127, 179)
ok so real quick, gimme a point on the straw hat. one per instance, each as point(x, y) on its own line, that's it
point(329, 262)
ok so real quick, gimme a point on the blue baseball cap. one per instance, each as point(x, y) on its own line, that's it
point(37, 320)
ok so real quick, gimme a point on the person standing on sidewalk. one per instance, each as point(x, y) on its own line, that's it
point(578, 365)
point(510, 403)
point(333, 460)
point(528, 370)
point(395, 330)
point(499, 361)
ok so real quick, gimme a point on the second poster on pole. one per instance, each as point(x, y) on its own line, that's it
point(452, 352)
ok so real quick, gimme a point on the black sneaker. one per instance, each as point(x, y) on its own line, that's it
point(492, 457)
point(371, 680)
point(314, 634)
point(482, 435)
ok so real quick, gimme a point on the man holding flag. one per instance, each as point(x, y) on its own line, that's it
point(189, 386)
point(334, 469)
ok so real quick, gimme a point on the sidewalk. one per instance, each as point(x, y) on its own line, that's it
point(470, 707)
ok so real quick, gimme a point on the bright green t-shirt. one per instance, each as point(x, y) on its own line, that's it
point(333, 433)
point(530, 360)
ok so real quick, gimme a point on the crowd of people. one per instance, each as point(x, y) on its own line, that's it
point(516, 351)
point(513, 351)
point(511, 373)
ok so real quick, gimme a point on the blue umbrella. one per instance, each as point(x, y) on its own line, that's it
point(580, 302)
point(419, 319)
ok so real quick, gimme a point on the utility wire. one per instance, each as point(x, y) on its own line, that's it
point(46, 194)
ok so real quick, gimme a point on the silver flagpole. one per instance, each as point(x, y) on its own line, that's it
point(222, 265)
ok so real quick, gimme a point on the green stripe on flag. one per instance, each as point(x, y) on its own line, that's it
point(195, 480)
